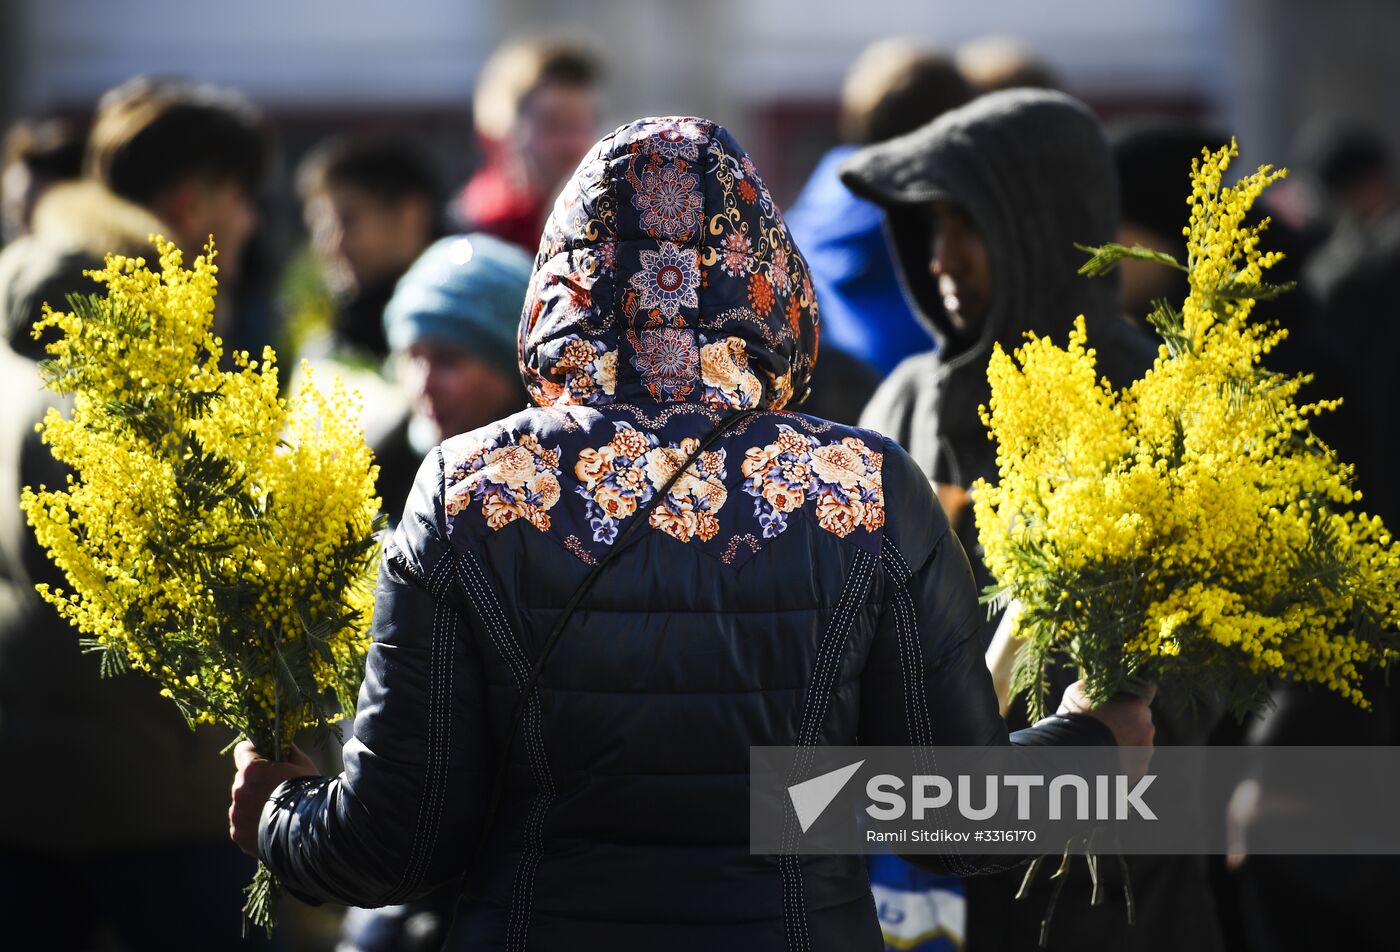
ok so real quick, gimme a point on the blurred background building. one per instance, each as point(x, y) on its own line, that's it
point(770, 70)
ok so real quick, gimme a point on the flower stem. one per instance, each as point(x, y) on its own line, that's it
point(260, 905)
point(1137, 686)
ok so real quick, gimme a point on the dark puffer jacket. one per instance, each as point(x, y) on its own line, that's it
point(800, 573)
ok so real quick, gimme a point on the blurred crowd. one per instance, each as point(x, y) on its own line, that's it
point(944, 221)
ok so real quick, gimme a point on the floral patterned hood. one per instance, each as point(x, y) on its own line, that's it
point(666, 293)
point(666, 275)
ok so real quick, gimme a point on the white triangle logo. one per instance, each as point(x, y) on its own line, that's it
point(811, 797)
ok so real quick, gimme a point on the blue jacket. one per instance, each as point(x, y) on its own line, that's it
point(864, 309)
point(798, 585)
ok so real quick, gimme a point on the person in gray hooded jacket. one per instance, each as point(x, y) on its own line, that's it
point(984, 207)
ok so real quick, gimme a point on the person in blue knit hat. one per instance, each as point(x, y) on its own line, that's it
point(451, 327)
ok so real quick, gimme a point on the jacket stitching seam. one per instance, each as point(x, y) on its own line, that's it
point(424, 824)
point(921, 727)
point(503, 636)
point(830, 649)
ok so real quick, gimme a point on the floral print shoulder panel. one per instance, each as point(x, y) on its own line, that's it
point(579, 474)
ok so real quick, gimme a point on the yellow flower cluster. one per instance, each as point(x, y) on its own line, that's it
point(1188, 529)
point(213, 535)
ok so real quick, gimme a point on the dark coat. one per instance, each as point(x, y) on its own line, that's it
point(1350, 345)
point(802, 589)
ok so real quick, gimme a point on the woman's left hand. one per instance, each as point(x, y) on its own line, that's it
point(254, 782)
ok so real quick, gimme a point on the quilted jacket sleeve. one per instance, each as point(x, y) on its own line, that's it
point(403, 816)
point(926, 681)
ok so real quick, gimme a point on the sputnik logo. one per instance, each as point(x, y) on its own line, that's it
point(811, 797)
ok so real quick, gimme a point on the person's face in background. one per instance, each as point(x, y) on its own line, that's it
point(962, 268)
point(364, 240)
point(556, 127)
point(196, 209)
point(453, 388)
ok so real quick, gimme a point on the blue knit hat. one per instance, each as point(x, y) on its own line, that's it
point(466, 290)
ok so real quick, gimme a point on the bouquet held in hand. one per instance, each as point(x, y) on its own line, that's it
point(213, 536)
point(1188, 530)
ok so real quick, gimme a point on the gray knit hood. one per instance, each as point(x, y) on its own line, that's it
point(1034, 172)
